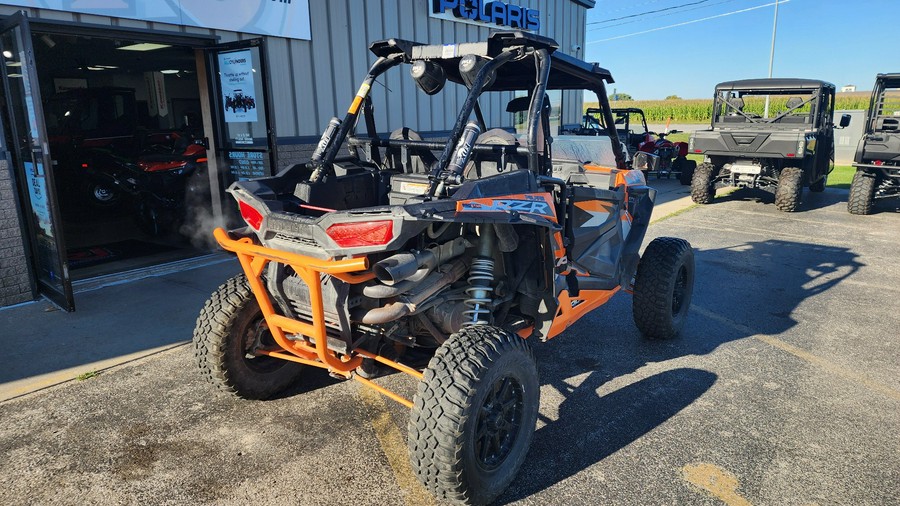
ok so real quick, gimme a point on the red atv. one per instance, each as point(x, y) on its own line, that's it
point(664, 157)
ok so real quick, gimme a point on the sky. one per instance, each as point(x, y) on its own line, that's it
point(839, 41)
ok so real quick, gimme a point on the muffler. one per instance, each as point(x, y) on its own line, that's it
point(406, 304)
point(414, 266)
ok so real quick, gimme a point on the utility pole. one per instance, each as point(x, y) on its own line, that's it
point(772, 55)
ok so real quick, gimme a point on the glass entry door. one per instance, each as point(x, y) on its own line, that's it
point(245, 133)
point(27, 139)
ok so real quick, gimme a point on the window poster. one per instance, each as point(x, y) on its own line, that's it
point(238, 90)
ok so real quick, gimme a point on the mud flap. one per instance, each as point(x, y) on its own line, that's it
point(641, 200)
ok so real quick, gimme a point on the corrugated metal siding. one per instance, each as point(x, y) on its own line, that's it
point(337, 58)
point(311, 81)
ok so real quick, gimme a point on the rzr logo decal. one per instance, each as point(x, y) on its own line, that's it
point(521, 206)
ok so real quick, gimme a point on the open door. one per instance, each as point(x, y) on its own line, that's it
point(30, 155)
point(242, 112)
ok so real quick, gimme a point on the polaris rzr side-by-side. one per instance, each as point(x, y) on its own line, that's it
point(444, 260)
point(783, 153)
point(877, 158)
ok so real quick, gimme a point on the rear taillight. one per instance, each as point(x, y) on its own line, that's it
point(361, 233)
point(253, 217)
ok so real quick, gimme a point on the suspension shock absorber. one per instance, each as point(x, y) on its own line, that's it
point(481, 277)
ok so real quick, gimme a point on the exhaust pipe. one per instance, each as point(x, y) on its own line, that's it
point(406, 304)
point(409, 266)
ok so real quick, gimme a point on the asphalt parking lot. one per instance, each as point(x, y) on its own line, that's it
point(782, 389)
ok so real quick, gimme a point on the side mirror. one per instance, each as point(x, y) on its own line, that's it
point(845, 120)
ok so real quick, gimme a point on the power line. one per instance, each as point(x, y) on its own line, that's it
point(648, 12)
point(659, 15)
point(688, 22)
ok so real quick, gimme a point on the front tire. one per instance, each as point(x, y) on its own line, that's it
point(663, 287)
point(702, 188)
point(474, 415)
point(790, 189)
point(230, 327)
point(862, 193)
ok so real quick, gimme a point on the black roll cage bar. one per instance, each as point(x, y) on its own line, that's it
point(516, 46)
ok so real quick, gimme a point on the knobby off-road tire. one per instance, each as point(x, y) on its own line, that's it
point(663, 287)
point(862, 193)
point(790, 189)
point(702, 188)
point(229, 326)
point(685, 169)
point(474, 415)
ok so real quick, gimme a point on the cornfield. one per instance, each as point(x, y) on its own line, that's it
point(700, 110)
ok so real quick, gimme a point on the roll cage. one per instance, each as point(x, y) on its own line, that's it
point(728, 102)
point(881, 116)
point(507, 61)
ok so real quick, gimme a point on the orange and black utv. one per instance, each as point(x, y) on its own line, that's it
point(462, 250)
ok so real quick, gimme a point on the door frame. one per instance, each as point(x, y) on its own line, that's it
point(63, 298)
point(216, 105)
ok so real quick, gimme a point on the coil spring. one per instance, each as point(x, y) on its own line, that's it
point(481, 275)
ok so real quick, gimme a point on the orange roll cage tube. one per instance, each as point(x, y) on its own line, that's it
point(313, 351)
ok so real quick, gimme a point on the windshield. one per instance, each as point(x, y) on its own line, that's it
point(786, 107)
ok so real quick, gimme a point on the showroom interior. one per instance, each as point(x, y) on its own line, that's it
point(125, 133)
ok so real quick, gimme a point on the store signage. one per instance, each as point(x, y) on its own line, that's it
point(485, 13)
point(238, 90)
point(279, 18)
point(245, 165)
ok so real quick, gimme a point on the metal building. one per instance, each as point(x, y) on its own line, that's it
point(189, 89)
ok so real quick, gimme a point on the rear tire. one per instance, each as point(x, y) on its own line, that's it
point(702, 188)
point(862, 193)
point(229, 327)
point(474, 415)
point(663, 287)
point(790, 189)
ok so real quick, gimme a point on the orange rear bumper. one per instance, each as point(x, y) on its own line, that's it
point(312, 349)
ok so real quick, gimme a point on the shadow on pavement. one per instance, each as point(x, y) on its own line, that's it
point(756, 284)
point(592, 427)
point(809, 200)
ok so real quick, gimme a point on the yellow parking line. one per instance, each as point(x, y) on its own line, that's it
point(802, 354)
point(716, 481)
point(394, 449)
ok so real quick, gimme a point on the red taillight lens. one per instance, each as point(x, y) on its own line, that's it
point(361, 233)
point(791, 155)
point(698, 151)
point(253, 217)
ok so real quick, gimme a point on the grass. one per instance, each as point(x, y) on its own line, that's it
point(87, 375)
point(841, 177)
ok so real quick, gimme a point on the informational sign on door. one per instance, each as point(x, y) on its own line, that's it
point(245, 165)
point(238, 90)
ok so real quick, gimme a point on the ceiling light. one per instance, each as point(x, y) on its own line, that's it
point(7, 53)
point(144, 46)
point(107, 66)
point(96, 68)
point(169, 71)
point(47, 40)
point(13, 64)
point(15, 75)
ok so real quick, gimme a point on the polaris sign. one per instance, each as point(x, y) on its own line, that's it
point(485, 13)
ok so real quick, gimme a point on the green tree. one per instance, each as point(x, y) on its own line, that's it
point(620, 96)
point(673, 97)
